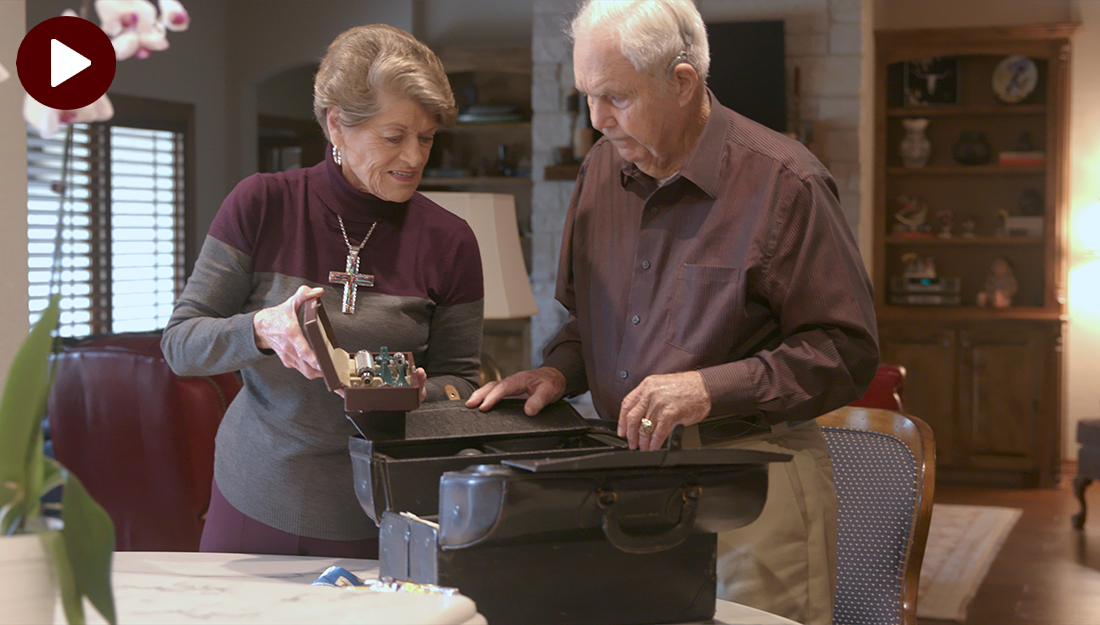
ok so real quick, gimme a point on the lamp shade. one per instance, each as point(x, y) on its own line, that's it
point(492, 216)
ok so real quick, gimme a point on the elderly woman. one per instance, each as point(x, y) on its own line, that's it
point(282, 473)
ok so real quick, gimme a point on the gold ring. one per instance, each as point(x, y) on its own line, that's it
point(647, 425)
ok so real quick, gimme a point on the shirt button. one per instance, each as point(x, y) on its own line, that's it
point(622, 374)
point(635, 319)
point(645, 264)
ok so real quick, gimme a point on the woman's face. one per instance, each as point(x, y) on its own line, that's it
point(385, 155)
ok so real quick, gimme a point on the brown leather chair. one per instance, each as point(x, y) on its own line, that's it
point(886, 389)
point(139, 437)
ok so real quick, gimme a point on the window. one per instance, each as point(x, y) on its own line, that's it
point(119, 258)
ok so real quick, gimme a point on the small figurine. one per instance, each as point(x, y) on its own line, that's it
point(912, 217)
point(969, 226)
point(918, 266)
point(400, 368)
point(1002, 221)
point(384, 361)
point(1000, 285)
point(944, 219)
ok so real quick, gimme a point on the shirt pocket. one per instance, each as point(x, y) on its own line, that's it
point(706, 303)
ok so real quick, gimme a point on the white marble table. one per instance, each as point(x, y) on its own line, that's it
point(156, 588)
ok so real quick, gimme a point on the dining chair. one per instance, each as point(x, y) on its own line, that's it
point(884, 463)
point(139, 437)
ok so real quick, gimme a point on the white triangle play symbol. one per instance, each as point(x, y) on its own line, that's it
point(65, 63)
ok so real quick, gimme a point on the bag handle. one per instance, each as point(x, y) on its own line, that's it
point(631, 543)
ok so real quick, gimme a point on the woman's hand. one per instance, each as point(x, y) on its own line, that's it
point(277, 329)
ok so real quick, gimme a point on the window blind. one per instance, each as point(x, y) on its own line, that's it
point(117, 259)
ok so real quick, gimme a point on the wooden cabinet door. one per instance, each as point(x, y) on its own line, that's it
point(1007, 420)
point(929, 358)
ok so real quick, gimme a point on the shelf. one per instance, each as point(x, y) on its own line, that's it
point(960, 111)
point(964, 170)
point(895, 239)
point(476, 181)
point(966, 313)
point(561, 172)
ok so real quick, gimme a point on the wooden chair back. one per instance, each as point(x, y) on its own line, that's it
point(884, 462)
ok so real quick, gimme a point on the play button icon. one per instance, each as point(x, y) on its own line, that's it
point(66, 63)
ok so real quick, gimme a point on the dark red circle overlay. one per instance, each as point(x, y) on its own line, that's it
point(32, 63)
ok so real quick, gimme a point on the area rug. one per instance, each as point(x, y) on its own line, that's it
point(963, 541)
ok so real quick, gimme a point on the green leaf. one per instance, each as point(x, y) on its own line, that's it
point(70, 598)
point(36, 474)
point(21, 408)
point(82, 550)
point(89, 538)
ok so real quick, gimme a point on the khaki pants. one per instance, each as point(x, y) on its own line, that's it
point(785, 561)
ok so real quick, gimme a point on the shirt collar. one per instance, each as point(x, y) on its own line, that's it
point(703, 166)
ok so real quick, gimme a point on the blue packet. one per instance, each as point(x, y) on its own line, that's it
point(338, 576)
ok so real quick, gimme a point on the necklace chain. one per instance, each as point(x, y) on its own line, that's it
point(354, 250)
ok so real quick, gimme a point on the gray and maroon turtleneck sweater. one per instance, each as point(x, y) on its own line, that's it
point(282, 449)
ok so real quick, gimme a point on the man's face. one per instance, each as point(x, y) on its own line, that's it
point(637, 116)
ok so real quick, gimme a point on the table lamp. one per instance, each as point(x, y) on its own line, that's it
point(492, 216)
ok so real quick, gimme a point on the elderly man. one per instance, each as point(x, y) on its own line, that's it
point(708, 271)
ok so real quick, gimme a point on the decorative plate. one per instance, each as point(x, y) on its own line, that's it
point(1015, 78)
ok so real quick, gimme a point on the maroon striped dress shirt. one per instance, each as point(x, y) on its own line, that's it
point(742, 266)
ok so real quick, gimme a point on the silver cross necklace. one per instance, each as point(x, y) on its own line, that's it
point(350, 276)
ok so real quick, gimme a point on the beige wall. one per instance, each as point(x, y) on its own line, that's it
point(1083, 342)
point(13, 181)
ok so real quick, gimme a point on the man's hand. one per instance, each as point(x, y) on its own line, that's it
point(664, 400)
point(277, 329)
point(543, 386)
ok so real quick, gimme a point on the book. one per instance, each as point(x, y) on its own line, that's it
point(1018, 158)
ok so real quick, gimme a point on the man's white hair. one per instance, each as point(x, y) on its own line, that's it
point(651, 33)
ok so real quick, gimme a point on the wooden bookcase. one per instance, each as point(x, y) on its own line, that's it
point(988, 380)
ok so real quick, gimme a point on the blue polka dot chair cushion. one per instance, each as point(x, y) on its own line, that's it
point(881, 471)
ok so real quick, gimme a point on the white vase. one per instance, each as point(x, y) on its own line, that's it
point(915, 147)
point(28, 583)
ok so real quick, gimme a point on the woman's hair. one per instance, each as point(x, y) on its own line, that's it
point(365, 60)
point(653, 34)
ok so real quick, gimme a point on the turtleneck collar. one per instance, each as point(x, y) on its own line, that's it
point(350, 203)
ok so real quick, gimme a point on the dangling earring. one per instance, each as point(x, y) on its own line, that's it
point(336, 156)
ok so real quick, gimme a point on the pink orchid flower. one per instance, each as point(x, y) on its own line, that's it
point(134, 28)
point(47, 121)
point(116, 16)
point(174, 16)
